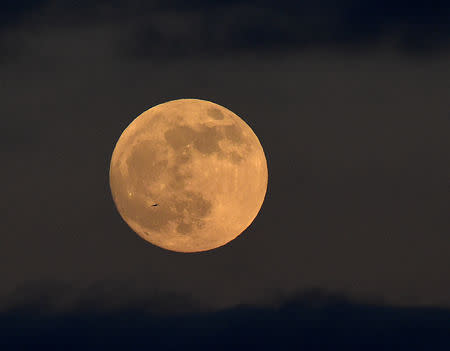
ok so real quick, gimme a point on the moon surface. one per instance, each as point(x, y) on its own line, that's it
point(188, 175)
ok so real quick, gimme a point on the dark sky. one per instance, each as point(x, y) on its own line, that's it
point(350, 100)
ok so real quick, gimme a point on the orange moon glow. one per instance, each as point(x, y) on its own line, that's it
point(188, 175)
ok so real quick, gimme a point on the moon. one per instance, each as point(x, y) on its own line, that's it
point(188, 175)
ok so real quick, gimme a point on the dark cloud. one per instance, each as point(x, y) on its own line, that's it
point(222, 28)
point(308, 321)
point(12, 12)
point(174, 29)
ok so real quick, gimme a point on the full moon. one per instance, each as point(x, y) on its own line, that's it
point(188, 175)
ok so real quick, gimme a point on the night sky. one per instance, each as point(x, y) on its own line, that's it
point(351, 103)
